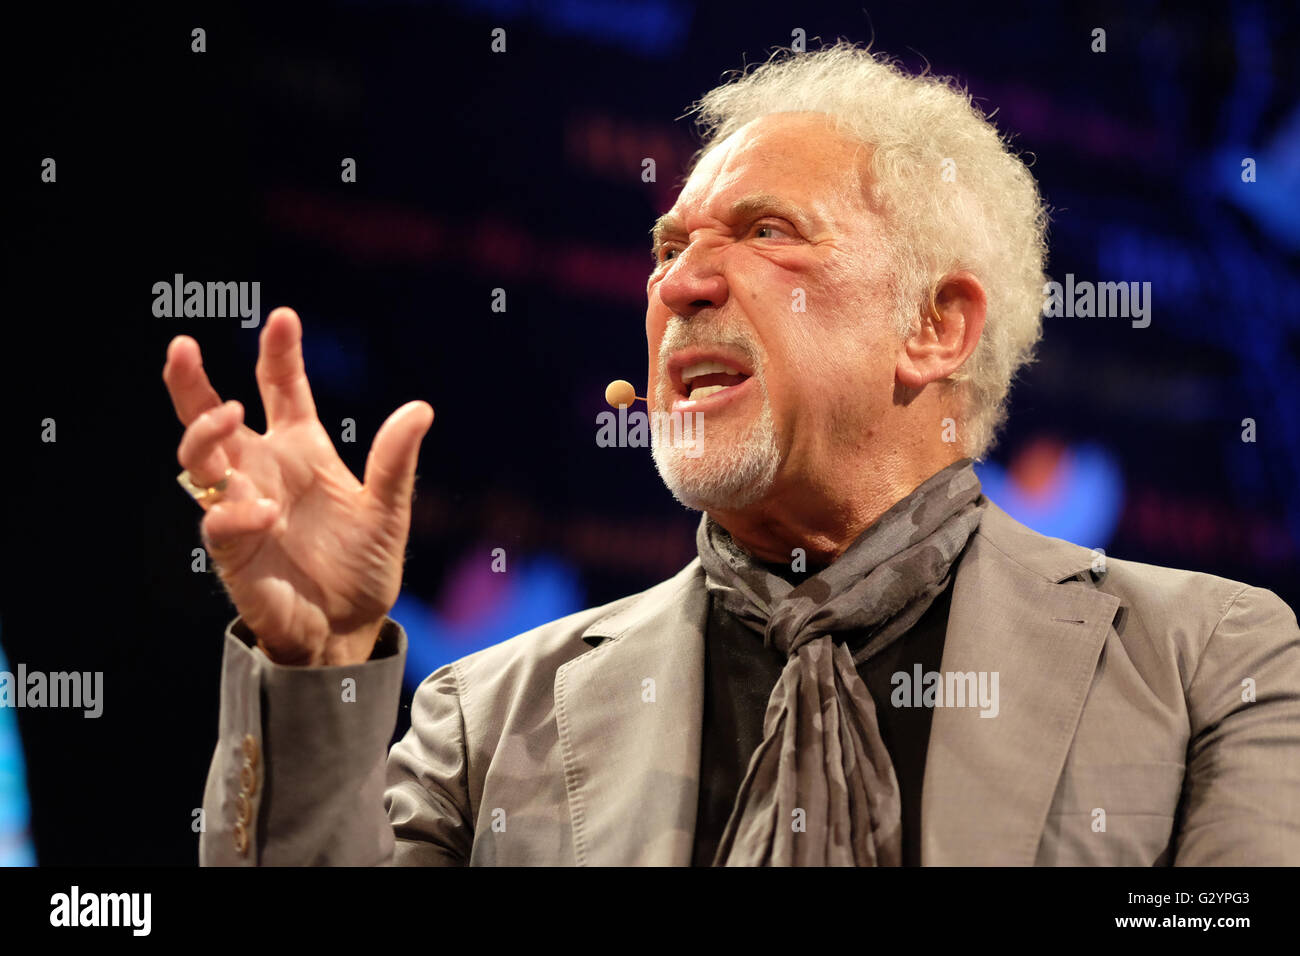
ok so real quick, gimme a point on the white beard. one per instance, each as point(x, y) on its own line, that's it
point(727, 473)
point(722, 478)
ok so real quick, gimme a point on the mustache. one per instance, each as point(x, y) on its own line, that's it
point(680, 333)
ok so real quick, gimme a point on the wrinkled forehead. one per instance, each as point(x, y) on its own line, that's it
point(804, 157)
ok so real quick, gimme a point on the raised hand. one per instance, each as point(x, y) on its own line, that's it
point(311, 557)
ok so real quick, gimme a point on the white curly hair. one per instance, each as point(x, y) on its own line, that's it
point(985, 216)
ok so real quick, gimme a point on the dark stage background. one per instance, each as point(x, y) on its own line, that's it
point(522, 171)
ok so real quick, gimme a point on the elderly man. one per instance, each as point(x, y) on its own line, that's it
point(869, 663)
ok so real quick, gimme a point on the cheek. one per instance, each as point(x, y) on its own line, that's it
point(836, 358)
point(860, 373)
point(654, 334)
point(829, 369)
point(855, 334)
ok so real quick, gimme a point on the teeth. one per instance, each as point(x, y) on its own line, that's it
point(706, 368)
point(698, 393)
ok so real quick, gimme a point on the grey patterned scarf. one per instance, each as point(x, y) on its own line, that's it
point(820, 789)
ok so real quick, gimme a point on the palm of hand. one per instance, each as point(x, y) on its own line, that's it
point(311, 557)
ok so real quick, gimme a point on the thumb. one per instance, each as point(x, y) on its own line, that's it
point(390, 466)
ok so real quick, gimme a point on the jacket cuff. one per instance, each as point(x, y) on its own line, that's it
point(297, 776)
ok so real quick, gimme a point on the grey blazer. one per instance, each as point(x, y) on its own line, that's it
point(1147, 716)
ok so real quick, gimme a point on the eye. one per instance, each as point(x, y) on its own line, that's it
point(773, 228)
point(664, 254)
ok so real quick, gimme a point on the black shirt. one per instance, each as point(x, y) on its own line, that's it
point(739, 675)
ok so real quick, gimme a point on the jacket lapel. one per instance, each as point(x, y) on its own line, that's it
point(629, 715)
point(1018, 609)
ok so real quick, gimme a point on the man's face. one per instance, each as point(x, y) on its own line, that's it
point(771, 313)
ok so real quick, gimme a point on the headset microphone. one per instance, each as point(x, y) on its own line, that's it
point(619, 392)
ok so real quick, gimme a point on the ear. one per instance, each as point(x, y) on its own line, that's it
point(947, 335)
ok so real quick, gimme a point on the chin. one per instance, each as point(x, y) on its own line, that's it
point(729, 475)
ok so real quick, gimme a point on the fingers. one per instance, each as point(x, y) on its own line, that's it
point(281, 374)
point(191, 392)
point(390, 467)
point(231, 529)
point(202, 452)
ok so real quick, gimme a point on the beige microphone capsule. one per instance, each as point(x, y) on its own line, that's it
point(619, 392)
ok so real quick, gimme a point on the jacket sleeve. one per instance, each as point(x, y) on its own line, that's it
point(297, 777)
point(1241, 800)
point(428, 799)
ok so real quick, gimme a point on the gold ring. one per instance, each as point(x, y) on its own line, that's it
point(211, 494)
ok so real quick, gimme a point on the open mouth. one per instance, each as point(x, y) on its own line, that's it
point(700, 379)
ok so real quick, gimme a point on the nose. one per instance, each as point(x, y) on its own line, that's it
point(693, 282)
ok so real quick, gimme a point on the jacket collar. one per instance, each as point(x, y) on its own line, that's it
point(1052, 559)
